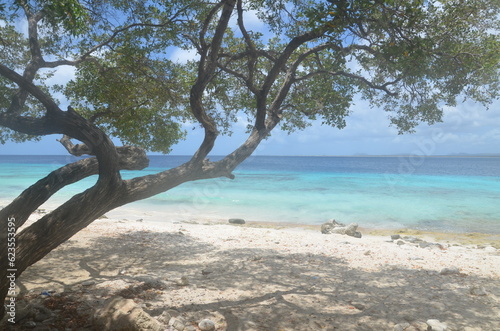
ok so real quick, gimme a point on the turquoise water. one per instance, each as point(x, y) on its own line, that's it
point(437, 193)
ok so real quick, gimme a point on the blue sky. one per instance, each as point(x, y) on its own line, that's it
point(467, 128)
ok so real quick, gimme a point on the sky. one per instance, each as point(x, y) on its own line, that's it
point(468, 128)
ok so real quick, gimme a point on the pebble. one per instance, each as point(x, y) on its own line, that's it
point(236, 221)
point(395, 236)
point(88, 283)
point(478, 290)
point(436, 325)
point(450, 271)
point(206, 325)
point(183, 281)
point(401, 327)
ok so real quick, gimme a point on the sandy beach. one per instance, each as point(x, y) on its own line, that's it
point(264, 277)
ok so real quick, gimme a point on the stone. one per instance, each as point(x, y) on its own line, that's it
point(183, 281)
point(450, 271)
point(401, 327)
point(236, 221)
point(30, 324)
point(490, 249)
point(176, 324)
point(326, 228)
point(124, 314)
point(419, 326)
point(189, 328)
point(358, 305)
point(206, 325)
point(206, 272)
point(357, 234)
point(395, 236)
point(436, 325)
point(88, 283)
point(400, 242)
point(478, 290)
point(164, 317)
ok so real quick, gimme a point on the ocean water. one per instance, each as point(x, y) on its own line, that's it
point(459, 194)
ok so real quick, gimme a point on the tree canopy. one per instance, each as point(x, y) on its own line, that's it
point(271, 63)
point(304, 61)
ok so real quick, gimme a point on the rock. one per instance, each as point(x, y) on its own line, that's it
point(189, 328)
point(140, 220)
point(479, 291)
point(326, 228)
point(30, 324)
point(490, 249)
point(358, 305)
point(395, 236)
point(26, 312)
point(164, 317)
point(400, 242)
point(206, 325)
point(436, 325)
point(40, 317)
point(183, 281)
point(236, 221)
point(357, 234)
point(419, 326)
point(401, 327)
point(367, 253)
point(88, 283)
point(124, 314)
point(205, 272)
point(176, 324)
point(450, 271)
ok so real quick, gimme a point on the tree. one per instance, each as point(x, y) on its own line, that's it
point(410, 57)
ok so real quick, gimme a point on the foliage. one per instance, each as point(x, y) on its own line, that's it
point(410, 57)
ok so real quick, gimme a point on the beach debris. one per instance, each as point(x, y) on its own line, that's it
point(45, 294)
point(236, 221)
point(206, 325)
point(414, 241)
point(334, 227)
point(450, 271)
point(478, 290)
point(436, 325)
point(124, 314)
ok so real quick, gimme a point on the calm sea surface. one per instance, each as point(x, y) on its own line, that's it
point(460, 194)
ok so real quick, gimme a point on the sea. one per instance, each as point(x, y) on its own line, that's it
point(451, 194)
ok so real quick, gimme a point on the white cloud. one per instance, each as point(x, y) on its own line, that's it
point(184, 55)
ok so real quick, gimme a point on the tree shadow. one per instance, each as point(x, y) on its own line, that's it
point(261, 289)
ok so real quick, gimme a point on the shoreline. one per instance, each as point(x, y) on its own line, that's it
point(262, 276)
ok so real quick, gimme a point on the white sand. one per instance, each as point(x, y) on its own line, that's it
point(248, 278)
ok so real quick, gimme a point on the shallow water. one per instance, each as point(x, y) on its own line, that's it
point(459, 194)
